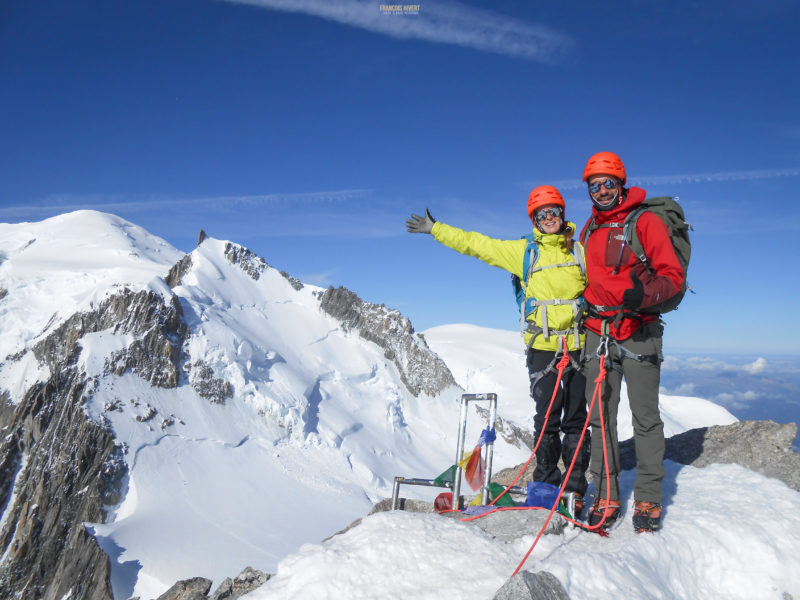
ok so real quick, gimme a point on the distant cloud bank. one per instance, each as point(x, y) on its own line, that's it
point(443, 23)
point(757, 367)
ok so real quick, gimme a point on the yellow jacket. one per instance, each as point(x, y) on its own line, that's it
point(562, 283)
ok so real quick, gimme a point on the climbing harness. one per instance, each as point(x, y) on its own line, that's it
point(530, 304)
point(556, 364)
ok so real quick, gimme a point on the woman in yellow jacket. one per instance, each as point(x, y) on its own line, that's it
point(550, 320)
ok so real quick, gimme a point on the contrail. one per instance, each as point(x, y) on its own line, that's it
point(445, 23)
point(68, 203)
point(572, 184)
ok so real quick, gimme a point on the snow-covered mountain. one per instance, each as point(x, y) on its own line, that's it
point(249, 413)
point(192, 414)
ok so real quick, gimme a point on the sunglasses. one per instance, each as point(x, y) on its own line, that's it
point(609, 184)
point(542, 214)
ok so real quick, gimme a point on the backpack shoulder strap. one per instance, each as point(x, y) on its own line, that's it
point(590, 226)
point(577, 253)
point(531, 257)
point(632, 236)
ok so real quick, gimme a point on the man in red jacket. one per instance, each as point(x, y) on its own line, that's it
point(620, 288)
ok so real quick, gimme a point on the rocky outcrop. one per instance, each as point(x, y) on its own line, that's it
point(244, 582)
point(421, 371)
point(246, 259)
point(527, 585)
point(202, 380)
point(175, 275)
point(157, 325)
point(761, 446)
point(511, 434)
point(254, 265)
point(188, 589)
point(230, 589)
point(65, 469)
point(58, 468)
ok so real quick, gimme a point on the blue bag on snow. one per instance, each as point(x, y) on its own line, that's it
point(541, 494)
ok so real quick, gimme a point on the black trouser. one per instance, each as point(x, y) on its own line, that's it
point(567, 417)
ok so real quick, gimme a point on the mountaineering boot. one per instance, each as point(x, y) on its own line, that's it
point(646, 516)
point(608, 508)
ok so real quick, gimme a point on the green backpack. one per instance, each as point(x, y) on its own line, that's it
point(669, 211)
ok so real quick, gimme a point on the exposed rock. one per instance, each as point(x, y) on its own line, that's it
point(421, 371)
point(512, 434)
point(175, 276)
point(532, 586)
point(3, 292)
point(72, 469)
point(201, 237)
point(507, 475)
point(254, 265)
point(504, 525)
point(409, 504)
point(216, 389)
point(148, 415)
point(508, 526)
point(293, 281)
point(761, 446)
point(153, 356)
point(58, 469)
point(246, 259)
point(188, 589)
point(244, 582)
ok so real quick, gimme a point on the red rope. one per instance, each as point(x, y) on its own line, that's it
point(597, 394)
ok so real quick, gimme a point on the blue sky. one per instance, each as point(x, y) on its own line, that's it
point(309, 131)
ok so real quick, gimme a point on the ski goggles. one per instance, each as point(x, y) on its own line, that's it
point(609, 184)
point(543, 213)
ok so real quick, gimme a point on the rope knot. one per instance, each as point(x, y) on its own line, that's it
point(601, 375)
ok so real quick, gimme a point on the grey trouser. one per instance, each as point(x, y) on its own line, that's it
point(642, 378)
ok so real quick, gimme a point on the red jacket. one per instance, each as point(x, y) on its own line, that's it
point(602, 252)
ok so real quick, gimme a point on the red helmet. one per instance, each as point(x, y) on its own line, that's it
point(605, 163)
point(542, 196)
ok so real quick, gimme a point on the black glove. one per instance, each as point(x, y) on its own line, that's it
point(632, 298)
point(417, 224)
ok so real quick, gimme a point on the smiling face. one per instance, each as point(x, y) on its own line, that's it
point(549, 218)
point(607, 191)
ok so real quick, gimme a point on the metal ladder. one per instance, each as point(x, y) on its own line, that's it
point(462, 430)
